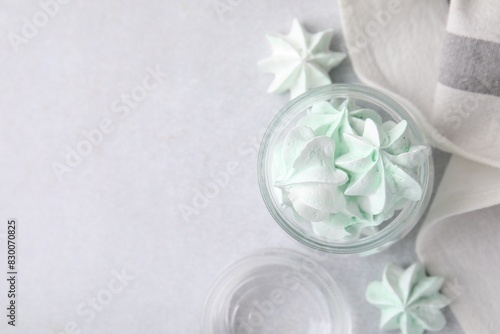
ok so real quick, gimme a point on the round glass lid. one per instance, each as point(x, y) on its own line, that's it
point(276, 291)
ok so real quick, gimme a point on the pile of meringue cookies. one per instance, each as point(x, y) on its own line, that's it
point(345, 170)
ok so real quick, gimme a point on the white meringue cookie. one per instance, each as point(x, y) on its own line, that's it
point(300, 60)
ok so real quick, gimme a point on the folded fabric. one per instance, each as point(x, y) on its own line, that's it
point(442, 62)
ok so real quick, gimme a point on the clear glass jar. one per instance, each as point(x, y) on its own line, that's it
point(383, 235)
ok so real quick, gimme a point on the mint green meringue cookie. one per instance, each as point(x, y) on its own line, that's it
point(378, 164)
point(336, 118)
point(311, 180)
point(343, 226)
point(409, 300)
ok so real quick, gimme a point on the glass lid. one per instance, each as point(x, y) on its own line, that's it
point(276, 291)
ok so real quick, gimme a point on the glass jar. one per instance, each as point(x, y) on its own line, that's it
point(376, 238)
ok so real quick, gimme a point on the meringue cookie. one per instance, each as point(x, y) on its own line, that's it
point(336, 118)
point(337, 227)
point(409, 300)
point(311, 181)
point(342, 226)
point(300, 60)
point(378, 165)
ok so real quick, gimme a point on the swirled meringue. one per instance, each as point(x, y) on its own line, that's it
point(311, 180)
point(409, 300)
point(378, 164)
point(336, 118)
point(300, 60)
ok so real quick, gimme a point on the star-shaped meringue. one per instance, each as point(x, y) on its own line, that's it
point(336, 118)
point(379, 166)
point(409, 300)
point(300, 60)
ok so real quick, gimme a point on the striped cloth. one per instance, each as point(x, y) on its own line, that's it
point(442, 62)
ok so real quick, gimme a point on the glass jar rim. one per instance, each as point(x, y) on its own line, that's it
point(401, 224)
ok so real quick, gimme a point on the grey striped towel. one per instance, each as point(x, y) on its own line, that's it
point(442, 61)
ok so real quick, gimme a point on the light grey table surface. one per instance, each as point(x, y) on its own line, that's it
point(118, 208)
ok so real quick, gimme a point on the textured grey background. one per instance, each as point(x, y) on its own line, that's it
point(120, 207)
